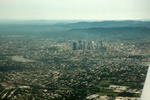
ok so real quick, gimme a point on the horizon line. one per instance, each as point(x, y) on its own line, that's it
point(75, 20)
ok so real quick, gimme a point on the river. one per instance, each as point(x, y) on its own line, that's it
point(21, 59)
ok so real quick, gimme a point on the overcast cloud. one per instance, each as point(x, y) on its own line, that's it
point(75, 9)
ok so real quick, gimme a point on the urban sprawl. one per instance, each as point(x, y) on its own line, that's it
point(33, 68)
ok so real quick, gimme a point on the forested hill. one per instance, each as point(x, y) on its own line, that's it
point(122, 32)
point(108, 24)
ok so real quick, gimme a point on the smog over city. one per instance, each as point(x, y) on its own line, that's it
point(74, 49)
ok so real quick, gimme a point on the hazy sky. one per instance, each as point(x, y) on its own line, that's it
point(75, 9)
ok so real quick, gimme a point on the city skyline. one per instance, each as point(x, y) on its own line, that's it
point(75, 9)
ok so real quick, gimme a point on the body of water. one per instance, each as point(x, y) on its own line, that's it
point(21, 59)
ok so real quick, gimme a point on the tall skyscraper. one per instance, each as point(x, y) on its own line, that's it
point(101, 44)
point(80, 45)
point(74, 46)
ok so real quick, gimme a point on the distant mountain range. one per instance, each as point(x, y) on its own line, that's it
point(109, 24)
point(76, 24)
point(68, 29)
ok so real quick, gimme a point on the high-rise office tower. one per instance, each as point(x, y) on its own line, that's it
point(74, 46)
point(101, 44)
point(80, 46)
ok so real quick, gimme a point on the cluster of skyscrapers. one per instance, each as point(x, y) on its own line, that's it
point(85, 45)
